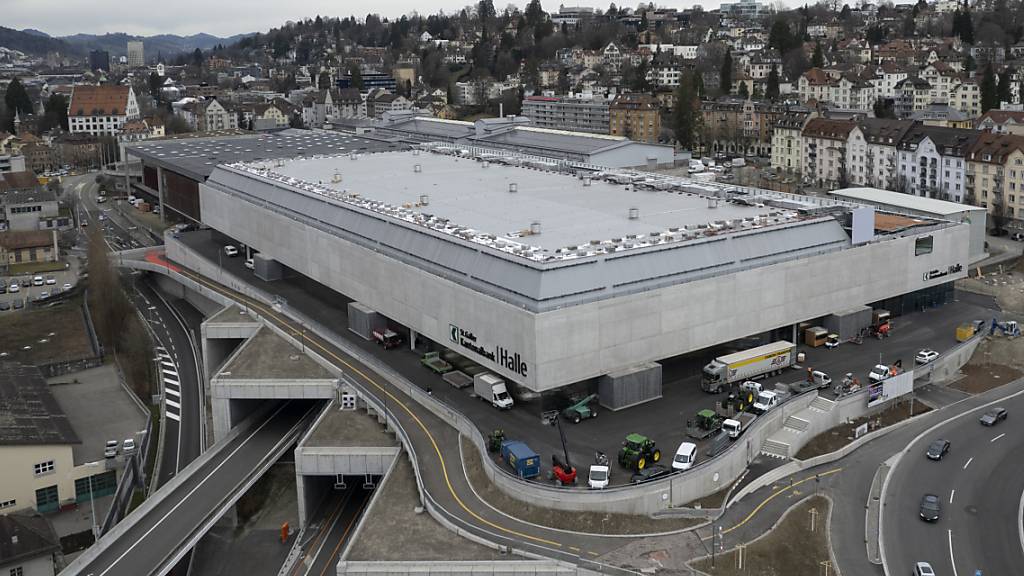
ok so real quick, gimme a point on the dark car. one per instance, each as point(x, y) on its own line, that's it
point(19, 304)
point(993, 416)
point(938, 449)
point(4, 306)
point(930, 508)
point(650, 473)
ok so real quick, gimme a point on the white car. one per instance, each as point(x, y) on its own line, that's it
point(598, 477)
point(128, 447)
point(50, 280)
point(923, 569)
point(925, 356)
point(110, 450)
point(250, 264)
point(37, 281)
point(44, 294)
point(230, 251)
point(14, 288)
point(686, 456)
point(65, 287)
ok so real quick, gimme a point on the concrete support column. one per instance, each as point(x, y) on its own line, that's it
point(160, 193)
point(221, 408)
point(412, 339)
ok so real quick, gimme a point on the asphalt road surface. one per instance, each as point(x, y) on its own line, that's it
point(337, 517)
point(181, 513)
point(980, 483)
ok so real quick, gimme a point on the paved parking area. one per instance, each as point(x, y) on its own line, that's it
point(663, 420)
point(28, 293)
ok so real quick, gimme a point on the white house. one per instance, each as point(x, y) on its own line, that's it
point(100, 110)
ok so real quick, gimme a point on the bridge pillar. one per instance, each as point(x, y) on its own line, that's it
point(160, 193)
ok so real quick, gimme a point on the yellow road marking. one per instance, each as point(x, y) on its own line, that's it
point(574, 549)
point(776, 493)
point(594, 554)
point(444, 467)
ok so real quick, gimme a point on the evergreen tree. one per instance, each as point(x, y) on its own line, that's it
point(725, 80)
point(989, 90)
point(17, 99)
point(1003, 88)
point(772, 89)
point(356, 76)
point(197, 57)
point(154, 85)
point(818, 58)
point(55, 113)
point(684, 116)
point(884, 108)
point(743, 91)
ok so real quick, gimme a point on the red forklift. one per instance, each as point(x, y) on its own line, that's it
point(562, 471)
point(881, 324)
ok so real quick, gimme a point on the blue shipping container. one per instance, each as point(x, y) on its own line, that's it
point(523, 461)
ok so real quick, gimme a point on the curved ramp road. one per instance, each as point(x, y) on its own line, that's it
point(980, 483)
point(186, 509)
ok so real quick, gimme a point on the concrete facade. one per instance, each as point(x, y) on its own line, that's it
point(575, 343)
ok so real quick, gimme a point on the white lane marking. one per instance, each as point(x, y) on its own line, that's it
point(199, 485)
point(952, 560)
point(167, 372)
point(951, 495)
point(997, 438)
point(174, 416)
point(172, 404)
point(172, 382)
point(968, 463)
point(173, 393)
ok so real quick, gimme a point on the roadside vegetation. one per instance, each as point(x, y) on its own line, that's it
point(835, 438)
point(118, 327)
point(791, 548)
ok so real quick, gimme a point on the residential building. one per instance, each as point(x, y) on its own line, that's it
point(100, 110)
point(28, 545)
point(568, 113)
point(17, 181)
point(571, 15)
point(214, 115)
point(787, 141)
point(942, 115)
point(995, 176)
point(635, 116)
point(382, 103)
point(824, 159)
point(966, 97)
point(370, 80)
point(743, 9)
point(912, 94)
point(871, 151)
point(136, 54)
point(78, 150)
point(846, 91)
point(348, 103)
point(1001, 122)
point(22, 246)
point(9, 163)
point(317, 108)
point(932, 162)
point(267, 115)
point(40, 469)
point(739, 126)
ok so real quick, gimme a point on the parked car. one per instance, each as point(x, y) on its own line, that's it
point(44, 294)
point(5, 306)
point(3, 287)
point(15, 288)
point(993, 416)
point(128, 447)
point(37, 281)
point(1018, 236)
point(110, 450)
point(65, 287)
point(685, 456)
point(230, 251)
point(18, 304)
point(931, 509)
point(923, 569)
point(50, 280)
point(925, 356)
point(250, 263)
point(937, 449)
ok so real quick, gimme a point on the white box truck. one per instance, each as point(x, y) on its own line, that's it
point(492, 389)
point(768, 359)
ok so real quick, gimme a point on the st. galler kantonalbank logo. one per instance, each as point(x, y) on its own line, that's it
point(498, 355)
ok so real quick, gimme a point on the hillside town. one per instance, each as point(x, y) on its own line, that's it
point(919, 98)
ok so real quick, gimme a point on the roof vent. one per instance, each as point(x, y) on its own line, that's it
point(534, 228)
point(415, 152)
point(424, 200)
point(712, 202)
point(336, 178)
point(586, 180)
point(634, 213)
point(513, 187)
point(485, 164)
point(353, 155)
point(417, 168)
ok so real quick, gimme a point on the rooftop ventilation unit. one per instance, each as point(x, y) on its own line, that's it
point(712, 202)
point(353, 155)
point(336, 178)
point(424, 200)
point(534, 228)
point(634, 213)
point(586, 180)
point(415, 152)
point(513, 187)
point(417, 168)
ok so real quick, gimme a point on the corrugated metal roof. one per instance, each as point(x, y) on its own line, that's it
point(897, 200)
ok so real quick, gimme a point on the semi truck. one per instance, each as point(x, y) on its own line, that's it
point(492, 389)
point(764, 360)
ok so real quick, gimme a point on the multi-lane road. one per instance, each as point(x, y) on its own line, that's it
point(980, 483)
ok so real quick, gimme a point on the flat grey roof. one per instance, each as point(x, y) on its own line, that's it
point(197, 157)
point(905, 201)
point(29, 413)
point(266, 356)
point(434, 127)
point(562, 141)
point(232, 314)
point(469, 195)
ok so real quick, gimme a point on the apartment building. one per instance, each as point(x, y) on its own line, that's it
point(739, 126)
point(590, 115)
point(847, 91)
point(871, 151)
point(787, 141)
point(932, 162)
point(136, 54)
point(99, 110)
point(912, 94)
point(995, 175)
point(824, 159)
point(1001, 122)
point(635, 116)
point(214, 115)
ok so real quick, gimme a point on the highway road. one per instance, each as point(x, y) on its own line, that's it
point(337, 517)
point(981, 486)
point(188, 507)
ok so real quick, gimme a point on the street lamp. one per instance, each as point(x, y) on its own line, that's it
point(92, 500)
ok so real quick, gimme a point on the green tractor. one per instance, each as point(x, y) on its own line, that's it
point(494, 440)
point(581, 410)
point(637, 451)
